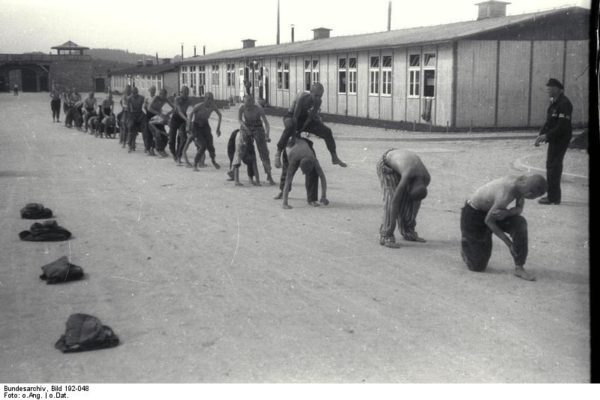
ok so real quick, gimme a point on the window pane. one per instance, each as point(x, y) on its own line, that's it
point(387, 61)
point(429, 83)
point(342, 63)
point(352, 63)
point(415, 60)
point(306, 64)
point(286, 66)
point(374, 62)
point(429, 60)
point(342, 82)
point(307, 80)
point(278, 64)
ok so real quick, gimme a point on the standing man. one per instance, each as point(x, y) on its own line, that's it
point(179, 119)
point(297, 121)
point(147, 134)
point(557, 133)
point(123, 117)
point(404, 180)
point(137, 118)
point(200, 131)
point(55, 96)
point(157, 120)
point(487, 212)
point(249, 116)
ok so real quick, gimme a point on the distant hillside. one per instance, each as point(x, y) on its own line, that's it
point(119, 56)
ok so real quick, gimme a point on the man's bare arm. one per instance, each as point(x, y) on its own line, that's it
point(321, 174)
point(292, 168)
point(220, 119)
point(266, 122)
point(500, 214)
point(490, 221)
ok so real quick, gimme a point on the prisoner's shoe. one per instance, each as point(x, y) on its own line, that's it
point(215, 164)
point(279, 196)
point(546, 201)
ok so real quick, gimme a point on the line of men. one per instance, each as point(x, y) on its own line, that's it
point(403, 176)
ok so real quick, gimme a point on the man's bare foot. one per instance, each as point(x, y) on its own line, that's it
point(324, 201)
point(313, 203)
point(521, 273)
point(336, 160)
point(215, 164)
point(279, 196)
point(271, 181)
point(389, 242)
point(286, 207)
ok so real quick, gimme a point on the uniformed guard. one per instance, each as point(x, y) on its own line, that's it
point(557, 133)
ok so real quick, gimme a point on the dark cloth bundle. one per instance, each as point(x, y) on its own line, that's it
point(47, 231)
point(35, 211)
point(61, 271)
point(86, 332)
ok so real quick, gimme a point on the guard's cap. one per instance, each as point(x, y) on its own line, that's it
point(554, 83)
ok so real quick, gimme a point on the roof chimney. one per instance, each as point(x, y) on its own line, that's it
point(321, 33)
point(491, 9)
point(247, 43)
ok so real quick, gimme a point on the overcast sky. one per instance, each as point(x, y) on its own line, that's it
point(161, 26)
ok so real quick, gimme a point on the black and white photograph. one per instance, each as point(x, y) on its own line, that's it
point(295, 192)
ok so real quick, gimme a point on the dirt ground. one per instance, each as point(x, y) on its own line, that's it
point(206, 282)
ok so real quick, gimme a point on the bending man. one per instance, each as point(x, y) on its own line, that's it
point(404, 180)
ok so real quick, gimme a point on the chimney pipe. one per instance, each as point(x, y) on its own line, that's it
point(194, 50)
point(491, 9)
point(157, 58)
point(390, 15)
point(182, 51)
point(292, 33)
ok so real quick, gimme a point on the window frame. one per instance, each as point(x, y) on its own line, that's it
point(387, 86)
point(374, 76)
point(414, 77)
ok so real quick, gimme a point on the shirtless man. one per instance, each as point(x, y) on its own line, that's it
point(157, 120)
point(200, 132)
point(301, 155)
point(250, 115)
point(404, 180)
point(55, 96)
point(123, 117)
point(107, 117)
point(137, 118)
point(487, 212)
point(296, 121)
point(89, 109)
point(179, 119)
point(147, 133)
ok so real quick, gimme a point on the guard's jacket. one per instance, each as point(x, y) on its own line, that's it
point(558, 120)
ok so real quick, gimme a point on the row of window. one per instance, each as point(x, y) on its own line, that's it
point(421, 72)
